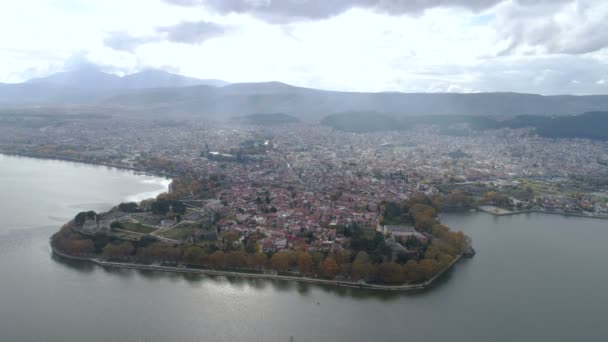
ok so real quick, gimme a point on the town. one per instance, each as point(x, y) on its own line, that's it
point(304, 199)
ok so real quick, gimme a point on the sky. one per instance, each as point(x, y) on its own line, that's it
point(534, 46)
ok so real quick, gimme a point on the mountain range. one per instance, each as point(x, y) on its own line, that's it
point(159, 93)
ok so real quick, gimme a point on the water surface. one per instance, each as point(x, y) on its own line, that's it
point(535, 278)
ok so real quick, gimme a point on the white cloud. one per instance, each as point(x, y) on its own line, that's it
point(438, 45)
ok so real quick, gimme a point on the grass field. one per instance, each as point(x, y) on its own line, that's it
point(180, 232)
point(137, 227)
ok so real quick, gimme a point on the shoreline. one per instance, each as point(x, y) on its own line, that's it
point(76, 160)
point(537, 211)
point(187, 270)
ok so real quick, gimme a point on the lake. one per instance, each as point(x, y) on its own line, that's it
point(535, 278)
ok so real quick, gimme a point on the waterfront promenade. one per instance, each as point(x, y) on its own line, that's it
point(189, 270)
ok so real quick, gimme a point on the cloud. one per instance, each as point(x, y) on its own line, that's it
point(527, 26)
point(192, 32)
point(282, 11)
point(123, 41)
point(185, 32)
point(560, 27)
point(559, 74)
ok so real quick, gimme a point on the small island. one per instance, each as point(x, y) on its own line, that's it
point(253, 236)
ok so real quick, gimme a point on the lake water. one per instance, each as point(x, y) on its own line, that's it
point(535, 278)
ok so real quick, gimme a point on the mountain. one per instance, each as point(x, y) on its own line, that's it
point(86, 78)
point(161, 79)
point(92, 78)
point(159, 93)
point(91, 86)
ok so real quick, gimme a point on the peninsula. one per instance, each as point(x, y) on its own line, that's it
point(406, 250)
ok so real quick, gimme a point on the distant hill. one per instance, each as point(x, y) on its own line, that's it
point(592, 125)
point(267, 119)
point(313, 104)
point(159, 93)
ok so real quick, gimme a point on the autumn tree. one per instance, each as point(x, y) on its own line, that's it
point(391, 273)
point(280, 261)
point(77, 246)
point(118, 250)
point(343, 256)
point(304, 261)
point(236, 259)
point(426, 268)
point(257, 260)
point(361, 267)
point(217, 259)
point(424, 223)
point(329, 267)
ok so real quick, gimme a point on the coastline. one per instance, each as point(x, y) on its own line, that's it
point(186, 270)
point(76, 160)
point(509, 213)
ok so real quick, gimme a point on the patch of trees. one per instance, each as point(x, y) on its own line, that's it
point(81, 217)
point(495, 198)
point(454, 200)
point(359, 122)
point(370, 242)
point(67, 241)
point(590, 125)
point(165, 206)
point(129, 207)
point(269, 119)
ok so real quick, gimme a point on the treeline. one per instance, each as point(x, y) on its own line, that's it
point(343, 264)
point(266, 119)
point(590, 125)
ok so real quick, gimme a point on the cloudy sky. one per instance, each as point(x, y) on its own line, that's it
point(539, 46)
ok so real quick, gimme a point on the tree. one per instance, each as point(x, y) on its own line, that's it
point(362, 257)
point(257, 260)
point(424, 223)
point(391, 273)
point(118, 250)
point(236, 259)
point(193, 255)
point(343, 256)
point(440, 231)
point(361, 269)
point(280, 261)
point(76, 246)
point(251, 246)
point(304, 260)
point(329, 267)
point(217, 259)
point(412, 272)
point(128, 207)
point(230, 237)
point(422, 210)
point(83, 216)
point(426, 267)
